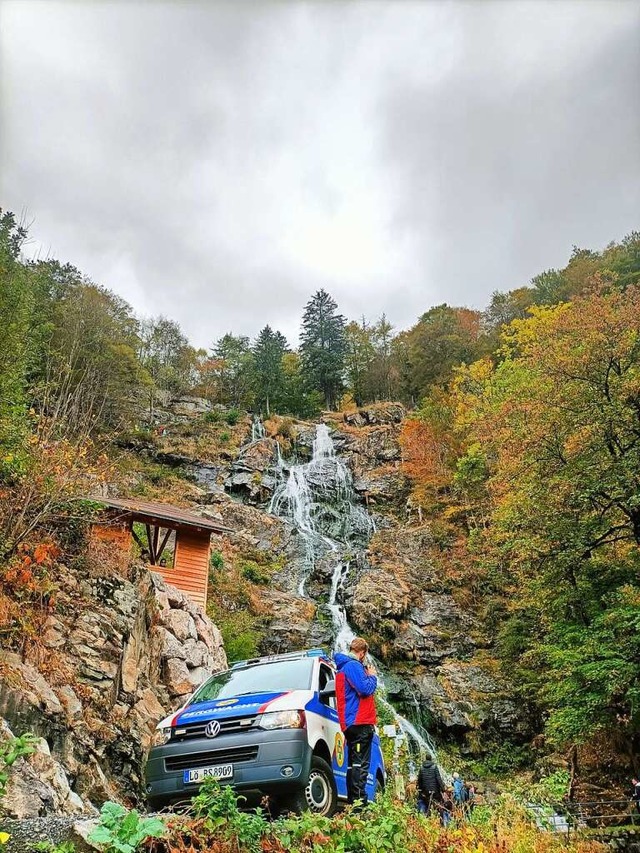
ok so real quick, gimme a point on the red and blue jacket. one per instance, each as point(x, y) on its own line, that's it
point(354, 692)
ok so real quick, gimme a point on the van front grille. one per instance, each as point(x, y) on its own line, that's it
point(237, 724)
point(233, 755)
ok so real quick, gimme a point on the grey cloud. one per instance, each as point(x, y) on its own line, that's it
point(507, 166)
point(218, 162)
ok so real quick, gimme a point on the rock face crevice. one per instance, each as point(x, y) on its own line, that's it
point(443, 674)
point(116, 657)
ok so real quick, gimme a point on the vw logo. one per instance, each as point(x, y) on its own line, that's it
point(212, 729)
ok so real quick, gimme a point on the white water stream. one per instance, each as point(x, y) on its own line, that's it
point(319, 499)
point(257, 429)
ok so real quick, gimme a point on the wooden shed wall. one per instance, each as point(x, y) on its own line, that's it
point(190, 570)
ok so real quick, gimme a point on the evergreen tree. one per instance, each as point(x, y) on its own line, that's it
point(268, 376)
point(297, 399)
point(235, 370)
point(323, 346)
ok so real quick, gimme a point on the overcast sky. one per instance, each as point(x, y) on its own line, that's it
point(218, 162)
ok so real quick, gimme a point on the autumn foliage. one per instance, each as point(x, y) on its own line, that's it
point(533, 474)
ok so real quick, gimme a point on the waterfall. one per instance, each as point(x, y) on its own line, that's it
point(343, 631)
point(257, 429)
point(319, 499)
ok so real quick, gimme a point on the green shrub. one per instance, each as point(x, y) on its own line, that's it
point(216, 561)
point(251, 571)
point(225, 436)
point(218, 806)
point(10, 751)
point(500, 759)
point(239, 645)
point(212, 417)
point(385, 826)
point(232, 416)
point(123, 831)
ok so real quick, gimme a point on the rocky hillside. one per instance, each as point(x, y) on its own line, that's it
point(120, 650)
point(436, 649)
point(432, 640)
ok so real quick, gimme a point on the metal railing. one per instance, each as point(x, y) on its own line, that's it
point(573, 816)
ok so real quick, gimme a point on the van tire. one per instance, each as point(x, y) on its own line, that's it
point(319, 795)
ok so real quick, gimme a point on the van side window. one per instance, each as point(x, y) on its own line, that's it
point(326, 675)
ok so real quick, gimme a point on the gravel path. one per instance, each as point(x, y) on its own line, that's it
point(25, 834)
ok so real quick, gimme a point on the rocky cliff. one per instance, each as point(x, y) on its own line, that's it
point(118, 654)
point(435, 648)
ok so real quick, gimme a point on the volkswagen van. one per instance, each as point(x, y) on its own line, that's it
point(269, 727)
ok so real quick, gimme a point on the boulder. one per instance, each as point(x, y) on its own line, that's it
point(290, 620)
point(190, 406)
point(177, 678)
point(377, 413)
point(38, 785)
point(258, 456)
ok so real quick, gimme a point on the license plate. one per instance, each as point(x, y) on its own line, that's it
point(220, 771)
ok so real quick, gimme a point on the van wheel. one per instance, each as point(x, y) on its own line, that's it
point(319, 795)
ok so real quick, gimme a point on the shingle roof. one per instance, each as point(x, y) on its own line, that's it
point(156, 512)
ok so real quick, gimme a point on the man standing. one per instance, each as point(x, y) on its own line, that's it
point(431, 787)
point(355, 686)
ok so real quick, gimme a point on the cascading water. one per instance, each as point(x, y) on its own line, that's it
point(257, 429)
point(319, 498)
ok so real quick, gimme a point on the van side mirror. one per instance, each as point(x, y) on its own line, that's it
point(329, 690)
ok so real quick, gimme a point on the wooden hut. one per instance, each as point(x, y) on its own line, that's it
point(167, 528)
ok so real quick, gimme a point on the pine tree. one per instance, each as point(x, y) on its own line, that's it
point(323, 346)
point(269, 377)
point(235, 370)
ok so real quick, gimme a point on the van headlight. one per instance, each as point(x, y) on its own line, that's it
point(282, 720)
point(161, 736)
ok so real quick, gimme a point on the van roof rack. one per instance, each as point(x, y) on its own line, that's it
point(306, 653)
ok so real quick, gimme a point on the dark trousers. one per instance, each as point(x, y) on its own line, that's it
point(359, 740)
point(429, 801)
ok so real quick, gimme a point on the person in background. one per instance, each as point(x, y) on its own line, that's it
point(471, 799)
point(635, 796)
point(430, 787)
point(355, 688)
point(446, 807)
point(459, 790)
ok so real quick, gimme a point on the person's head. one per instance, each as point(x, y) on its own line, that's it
point(634, 781)
point(359, 648)
point(456, 775)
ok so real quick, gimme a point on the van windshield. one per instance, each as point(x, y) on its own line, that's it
point(275, 677)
